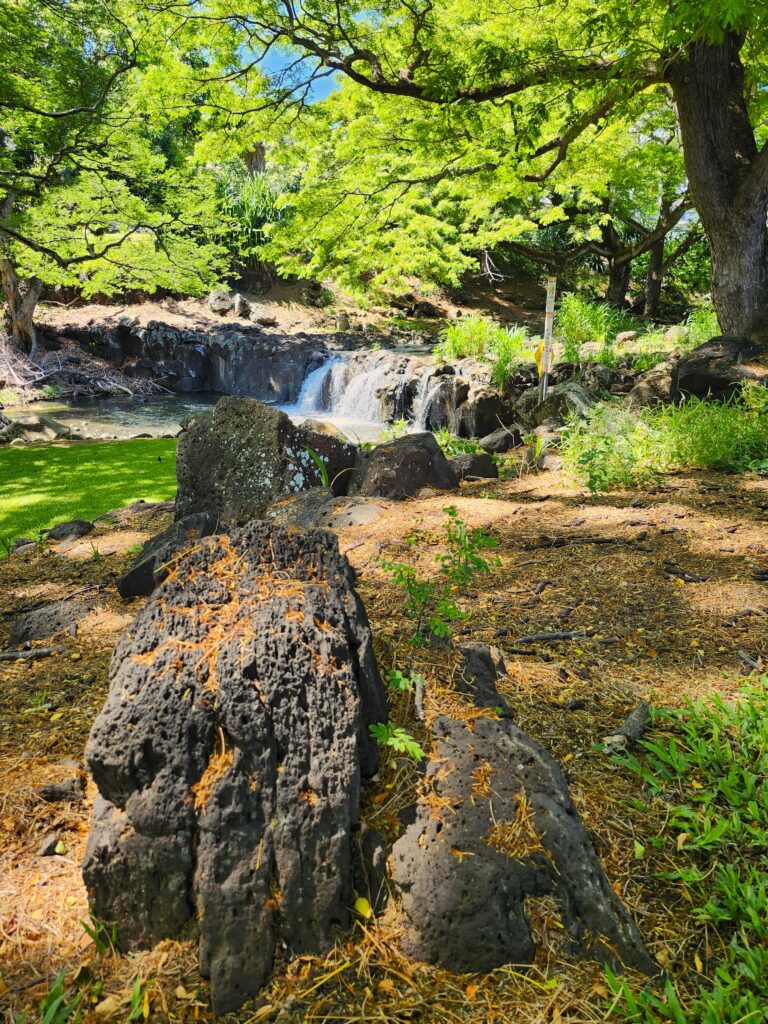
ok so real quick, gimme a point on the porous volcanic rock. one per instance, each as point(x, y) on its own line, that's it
point(233, 462)
point(399, 468)
point(229, 756)
point(719, 366)
point(151, 565)
point(39, 623)
point(498, 826)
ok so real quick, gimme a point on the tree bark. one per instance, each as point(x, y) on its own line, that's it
point(618, 283)
point(654, 279)
point(21, 298)
point(728, 180)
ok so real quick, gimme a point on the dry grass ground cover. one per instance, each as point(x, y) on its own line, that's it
point(663, 593)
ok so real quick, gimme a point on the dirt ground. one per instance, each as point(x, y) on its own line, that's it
point(508, 301)
point(619, 570)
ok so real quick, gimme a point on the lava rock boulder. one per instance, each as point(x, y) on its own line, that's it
point(400, 468)
point(155, 560)
point(719, 366)
point(495, 828)
point(235, 461)
point(230, 753)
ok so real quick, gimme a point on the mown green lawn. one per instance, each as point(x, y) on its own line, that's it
point(42, 486)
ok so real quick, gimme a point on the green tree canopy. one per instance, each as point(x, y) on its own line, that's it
point(95, 187)
point(556, 71)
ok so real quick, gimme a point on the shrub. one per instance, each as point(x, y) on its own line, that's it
point(472, 336)
point(452, 444)
point(613, 447)
point(508, 353)
point(249, 203)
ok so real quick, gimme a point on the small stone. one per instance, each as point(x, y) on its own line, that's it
point(48, 848)
point(71, 530)
point(56, 792)
point(221, 302)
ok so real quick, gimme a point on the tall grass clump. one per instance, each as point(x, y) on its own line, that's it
point(704, 769)
point(580, 321)
point(249, 203)
point(479, 337)
point(614, 447)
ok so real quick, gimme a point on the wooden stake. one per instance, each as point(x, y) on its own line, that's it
point(549, 319)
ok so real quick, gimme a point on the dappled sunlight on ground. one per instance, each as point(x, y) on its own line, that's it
point(604, 568)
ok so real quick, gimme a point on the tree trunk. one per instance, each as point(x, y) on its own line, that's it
point(618, 283)
point(654, 279)
point(728, 179)
point(21, 298)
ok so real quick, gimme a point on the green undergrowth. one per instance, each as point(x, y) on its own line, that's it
point(45, 485)
point(580, 321)
point(480, 337)
point(706, 768)
point(615, 447)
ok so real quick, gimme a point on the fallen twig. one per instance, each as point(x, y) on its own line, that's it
point(38, 652)
point(568, 634)
point(632, 729)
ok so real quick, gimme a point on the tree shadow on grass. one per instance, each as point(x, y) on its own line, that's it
point(42, 486)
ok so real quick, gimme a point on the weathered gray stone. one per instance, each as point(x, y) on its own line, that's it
point(71, 530)
point(221, 303)
point(152, 564)
point(480, 667)
point(676, 335)
point(719, 366)
point(502, 440)
point(303, 510)
point(508, 831)
point(58, 792)
point(52, 618)
point(229, 756)
point(477, 466)
point(234, 462)
point(402, 467)
point(241, 306)
point(624, 337)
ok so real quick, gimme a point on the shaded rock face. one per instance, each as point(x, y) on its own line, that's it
point(478, 466)
point(229, 756)
point(502, 440)
point(718, 366)
point(234, 461)
point(498, 826)
point(562, 400)
point(402, 467)
point(656, 385)
point(233, 359)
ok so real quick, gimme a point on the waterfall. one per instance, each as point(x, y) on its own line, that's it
point(317, 391)
point(423, 400)
point(359, 400)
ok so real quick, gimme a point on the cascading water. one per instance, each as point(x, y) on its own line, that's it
point(359, 400)
point(420, 405)
point(322, 389)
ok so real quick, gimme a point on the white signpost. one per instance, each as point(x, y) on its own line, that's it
point(549, 319)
